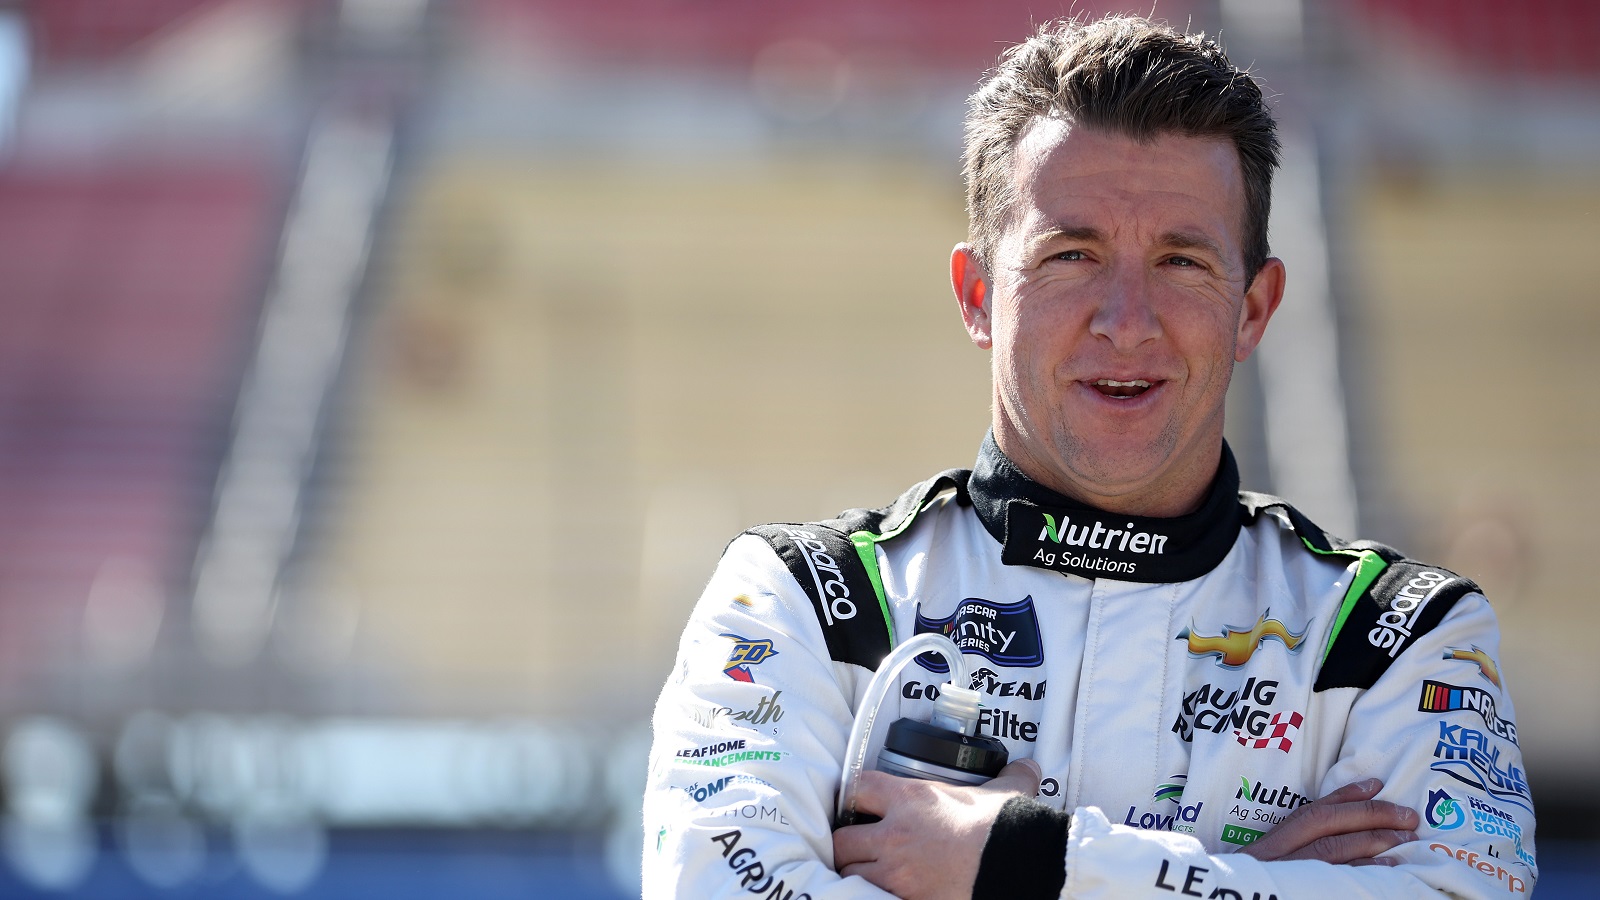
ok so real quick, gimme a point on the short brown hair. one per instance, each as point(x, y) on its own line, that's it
point(1124, 74)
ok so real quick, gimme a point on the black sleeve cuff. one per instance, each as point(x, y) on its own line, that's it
point(1026, 855)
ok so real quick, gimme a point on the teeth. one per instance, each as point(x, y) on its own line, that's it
point(1108, 382)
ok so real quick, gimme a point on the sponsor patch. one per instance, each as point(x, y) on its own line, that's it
point(1172, 788)
point(1473, 758)
point(1238, 834)
point(1486, 664)
point(746, 653)
point(766, 711)
point(1279, 733)
point(711, 788)
point(1488, 867)
point(710, 749)
point(1181, 819)
point(1397, 623)
point(1443, 812)
point(1216, 709)
point(1006, 634)
point(752, 873)
point(738, 756)
point(1234, 647)
point(1439, 697)
point(1263, 804)
point(1198, 881)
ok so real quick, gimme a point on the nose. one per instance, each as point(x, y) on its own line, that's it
point(1124, 314)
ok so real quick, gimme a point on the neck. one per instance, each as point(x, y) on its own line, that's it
point(1175, 490)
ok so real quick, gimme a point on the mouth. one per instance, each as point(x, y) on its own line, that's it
point(1120, 390)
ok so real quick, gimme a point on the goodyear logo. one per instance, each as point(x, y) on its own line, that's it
point(746, 653)
point(1234, 647)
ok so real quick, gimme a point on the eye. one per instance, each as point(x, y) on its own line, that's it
point(1071, 255)
point(1183, 262)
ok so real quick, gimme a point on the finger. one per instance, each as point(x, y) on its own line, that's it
point(875, 791)
point(1020, 777)
point(1344, 848)
point(853, 845)
point(1374, 861)
point(1322, 820)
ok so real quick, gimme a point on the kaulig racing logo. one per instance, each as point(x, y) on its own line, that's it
point(1006, 634)
point(1215, 709)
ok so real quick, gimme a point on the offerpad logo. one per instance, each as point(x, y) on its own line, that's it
point(1234, 647)
point(1006, 634)
point(1488, 867)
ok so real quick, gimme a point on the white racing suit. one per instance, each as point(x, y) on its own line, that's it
point(1184, 684)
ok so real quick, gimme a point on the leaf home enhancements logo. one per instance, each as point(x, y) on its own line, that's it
point(1234, 647)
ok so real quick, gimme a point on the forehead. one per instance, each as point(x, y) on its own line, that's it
point(1083, 175)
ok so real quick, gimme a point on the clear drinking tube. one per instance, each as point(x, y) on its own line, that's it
point(861, 731)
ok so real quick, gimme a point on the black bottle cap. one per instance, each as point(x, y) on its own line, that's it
point(942, 747)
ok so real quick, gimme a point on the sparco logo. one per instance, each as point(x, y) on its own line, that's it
point(1208, 708)
point(1100, 537)
point(825, 572)
point(1394, 626)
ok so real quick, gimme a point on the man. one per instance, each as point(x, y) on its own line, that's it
point(1210, 696)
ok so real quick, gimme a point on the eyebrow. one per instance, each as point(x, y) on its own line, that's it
point(1191, 240)
point(1177, 240)
point(1065, 232)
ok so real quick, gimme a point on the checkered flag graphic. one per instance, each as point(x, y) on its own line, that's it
point(1277, 736)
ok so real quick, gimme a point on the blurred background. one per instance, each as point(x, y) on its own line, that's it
point(380, 380)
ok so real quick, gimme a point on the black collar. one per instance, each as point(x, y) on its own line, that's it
point(1040, 527)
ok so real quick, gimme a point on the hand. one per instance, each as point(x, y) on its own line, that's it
point(931, 837)
point(1347, 826)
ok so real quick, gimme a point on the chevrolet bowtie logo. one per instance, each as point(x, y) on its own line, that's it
point(1233, 648)
point(1485, 662)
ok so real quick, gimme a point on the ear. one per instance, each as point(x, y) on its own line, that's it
point(972, 287)
point(1260, 302)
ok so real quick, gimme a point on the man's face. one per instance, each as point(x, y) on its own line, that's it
point(1116, 305)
